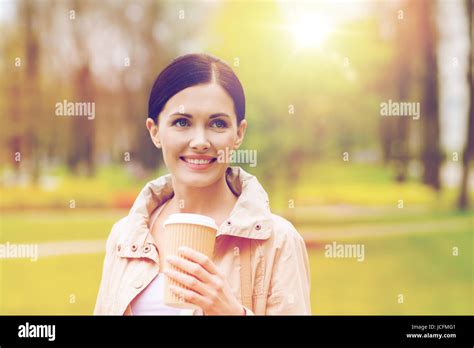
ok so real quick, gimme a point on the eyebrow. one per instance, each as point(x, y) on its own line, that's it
point(218, 114)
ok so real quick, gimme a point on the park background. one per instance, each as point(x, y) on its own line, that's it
point(315, 75)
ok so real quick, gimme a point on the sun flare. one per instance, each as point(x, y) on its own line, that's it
point(311, 30)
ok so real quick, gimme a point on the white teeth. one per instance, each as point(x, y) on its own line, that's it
point(197, 161)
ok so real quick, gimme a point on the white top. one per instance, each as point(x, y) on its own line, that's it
point(150, 301)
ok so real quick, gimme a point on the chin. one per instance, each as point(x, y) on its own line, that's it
point(197, 179)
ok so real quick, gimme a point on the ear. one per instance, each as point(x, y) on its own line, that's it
point(240, 134)
point(153, 129)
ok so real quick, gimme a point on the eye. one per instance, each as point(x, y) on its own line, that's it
point(181, 123)
point(219, 124)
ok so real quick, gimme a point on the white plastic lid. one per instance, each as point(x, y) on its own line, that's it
point(187, 218)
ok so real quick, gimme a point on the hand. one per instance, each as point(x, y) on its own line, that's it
point(209, 288)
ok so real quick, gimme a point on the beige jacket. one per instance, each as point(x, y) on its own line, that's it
point(280, 275)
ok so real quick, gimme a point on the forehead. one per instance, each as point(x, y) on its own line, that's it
point(203, 99)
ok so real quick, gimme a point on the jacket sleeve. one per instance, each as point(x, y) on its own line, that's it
point(289, 292)
point(101, 302)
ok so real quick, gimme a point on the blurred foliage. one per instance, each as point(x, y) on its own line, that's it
point(306, 107)
point(319, 184)
point(304, 104)
point(331, 111)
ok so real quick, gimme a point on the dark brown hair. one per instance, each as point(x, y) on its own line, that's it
point(190, 70)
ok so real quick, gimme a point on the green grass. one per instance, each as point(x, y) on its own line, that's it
point(341, 218)
point(111, 187)
point(58, 285)
point(35, 227)
point(359, 184)
point(419, 265)
point(331, 197)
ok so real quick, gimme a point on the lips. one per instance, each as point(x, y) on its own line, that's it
point(198, 162)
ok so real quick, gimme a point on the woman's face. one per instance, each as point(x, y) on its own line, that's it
point(194, 127)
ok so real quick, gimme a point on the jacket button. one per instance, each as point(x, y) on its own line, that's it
point(138, 284)
point(134, 247)
point(258, 227)
point(147, 249)
point(119, 247)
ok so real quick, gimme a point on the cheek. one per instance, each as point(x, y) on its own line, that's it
point(223, 140)
point(224, 144)
point(171, 145)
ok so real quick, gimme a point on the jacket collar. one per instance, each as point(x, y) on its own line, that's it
point(250, 218)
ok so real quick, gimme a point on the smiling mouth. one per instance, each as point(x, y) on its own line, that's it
point(200, 161)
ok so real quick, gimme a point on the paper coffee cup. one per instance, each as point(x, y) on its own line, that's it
point(190, 230)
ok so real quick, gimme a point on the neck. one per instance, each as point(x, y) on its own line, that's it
point(199, 200)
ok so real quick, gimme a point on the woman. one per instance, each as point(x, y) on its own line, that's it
point(260, 265)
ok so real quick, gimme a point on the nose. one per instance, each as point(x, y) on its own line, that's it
point(199, 141)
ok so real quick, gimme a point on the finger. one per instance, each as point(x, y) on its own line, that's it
point(190, 267)
point(190, 296)
point(188, 281)
point(199, 258)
